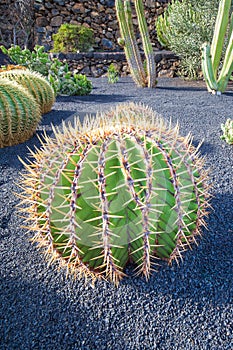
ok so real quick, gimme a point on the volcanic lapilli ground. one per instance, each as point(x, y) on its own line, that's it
point(186, 307)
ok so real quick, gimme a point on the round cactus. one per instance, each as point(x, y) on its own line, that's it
point(36, 84)
point(124, 187)
point(19, 113)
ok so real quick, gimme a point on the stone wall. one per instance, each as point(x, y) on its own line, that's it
point(99, 15)
point(95, 64)
point(48, 15)
point(36, 21)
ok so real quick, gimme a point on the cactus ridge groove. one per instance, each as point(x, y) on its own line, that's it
point(123, 187)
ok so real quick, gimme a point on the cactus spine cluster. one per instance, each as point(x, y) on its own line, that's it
point(128, 40)
point(36, 84)
point(124, 187)
point(211, 55)
point(19, 114)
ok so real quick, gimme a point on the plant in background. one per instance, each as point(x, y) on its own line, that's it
point(36, 85)
point(227, 129)
point(129, 42)
point(19, 113)
point(36, 60)
point(112, 74)
point(73, 38)
point(216, 76)
point(121, 187)
point(183, 27)
point(56, 72)
point(68, 83)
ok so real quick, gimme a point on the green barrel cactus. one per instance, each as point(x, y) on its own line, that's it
point(36, 84)
point(19, 114)
point(123, 187)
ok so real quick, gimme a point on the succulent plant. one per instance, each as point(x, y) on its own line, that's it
point(227, 129)
point(19, 113)
point(124, 187)
point(36, 84)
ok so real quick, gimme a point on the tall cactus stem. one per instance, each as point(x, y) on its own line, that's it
point(227, 67)
point(219, 33)
point(148, 49)
point(124, 15)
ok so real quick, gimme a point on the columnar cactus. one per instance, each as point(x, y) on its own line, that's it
point(19, 114)
point(128, 41)
point(124, 187)
point(36, 84)
point(211, 55)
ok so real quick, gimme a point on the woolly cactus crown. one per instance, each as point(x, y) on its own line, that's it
point(121, 187)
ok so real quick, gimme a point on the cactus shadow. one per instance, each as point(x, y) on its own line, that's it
point(206, 271)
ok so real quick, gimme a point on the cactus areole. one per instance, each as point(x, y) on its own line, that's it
point(123, 187)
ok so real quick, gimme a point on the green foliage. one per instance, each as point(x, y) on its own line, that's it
point(121, 187)
point(62, 80)
point(36, 85)
point(73, 38)
point(183, 28)
point(19, 113)
point(112, 74)
point(36, 60)
point(227, 129)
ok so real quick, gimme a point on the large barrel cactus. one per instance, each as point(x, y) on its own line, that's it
point(36, 84)
point(124, 187)
point(19, 113)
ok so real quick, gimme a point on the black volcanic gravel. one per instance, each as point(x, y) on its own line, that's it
point(188, 307)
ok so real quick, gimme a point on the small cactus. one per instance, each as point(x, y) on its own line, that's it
point(19, 114)
point(124, 187)
point(227, 129)
point(36, 84)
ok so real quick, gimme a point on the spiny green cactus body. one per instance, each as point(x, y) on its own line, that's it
point(36, 84)
point(211, 54)
point(123, 187)
point(129, 41)
point(19, 114)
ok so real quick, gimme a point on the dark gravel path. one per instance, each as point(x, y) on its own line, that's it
point(186, 307)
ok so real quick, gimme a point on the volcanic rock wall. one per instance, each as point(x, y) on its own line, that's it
point(47, 16)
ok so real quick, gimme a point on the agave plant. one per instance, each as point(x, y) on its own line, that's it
point(124, 187)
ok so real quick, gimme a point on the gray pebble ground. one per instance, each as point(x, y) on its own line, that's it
point(188, 307)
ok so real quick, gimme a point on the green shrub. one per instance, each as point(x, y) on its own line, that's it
point(184, 27)
point(73, 38)
point(56, 72)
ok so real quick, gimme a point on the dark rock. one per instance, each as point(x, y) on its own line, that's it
point(107, 44)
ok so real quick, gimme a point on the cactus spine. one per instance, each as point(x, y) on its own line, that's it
point(36, 84)
point(128, 39)
point(211, 55)
point(122, 187)
point(19, 114)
